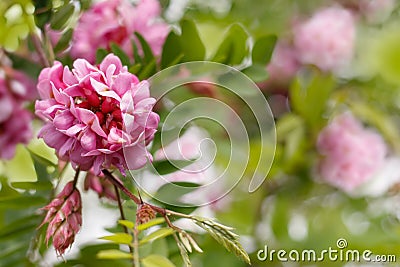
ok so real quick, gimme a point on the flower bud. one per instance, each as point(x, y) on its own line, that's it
point(145, 213)
point(64, 216)
point(100, 185)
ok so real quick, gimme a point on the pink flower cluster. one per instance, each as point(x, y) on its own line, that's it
point(97, 116)
point(284, 64)
point(116, 21)
point(352, 153)
point(326, 40)
point(64, 216)
point(15, 121)
point(376, 10)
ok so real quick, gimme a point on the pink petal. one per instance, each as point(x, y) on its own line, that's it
point(88, 140)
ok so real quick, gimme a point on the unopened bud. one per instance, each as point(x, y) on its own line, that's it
point(64, 216)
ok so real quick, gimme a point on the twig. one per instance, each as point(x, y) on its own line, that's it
point(39, 48)
point(76, 176)
point(138, 201)
point(118, 184)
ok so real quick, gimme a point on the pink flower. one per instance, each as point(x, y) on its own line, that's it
point(97, 116)
point(327, 39)
point(115, 22)
point(377, 10)
point(15, 121)
point(7, 101)
point(15, 130)
point(20, 86)
point(352, 153)
point(102, 186)
point(283, 66)
point(64, 216)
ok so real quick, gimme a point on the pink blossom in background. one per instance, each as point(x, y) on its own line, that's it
point(15, 122)
point(116, 21)
point(192, 145)
point(97, 116)
point(20, 86)
point(376, 11)
point(7, 102)
point(15, 130)
point(351, 152)
point(284, 64)
point(326, 40)
point(64, 216)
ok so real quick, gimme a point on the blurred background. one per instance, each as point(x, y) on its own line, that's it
point(332, 82)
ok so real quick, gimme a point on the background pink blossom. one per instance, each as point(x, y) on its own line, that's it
point(15, 122)
point(326, 40)
point(351, 153)
point(115, 22)
point(283, 66)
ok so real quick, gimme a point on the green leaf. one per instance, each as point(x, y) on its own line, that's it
point(256, 72)
point(150, 223)
point(224, 235)
point(233, 48)
point(172, 51)
point(43, 17)
point(61, 17)
point(13, 168)
point(39, 185)
point(21, 202)
point(127, 224)
point(167, 194)
point(136, 57)
point(169, 166)
point(147, 52)
point(112, 254)
point(134, 69)
point(18, 227)
point(184, 254)
point(156, 261)
point(41, 167)
point(101, 53)
point(64, 41)
point(263, 49)
point(192, 46)
point(309, 96)
point(170, 191)
point(119, 238)
point(120, 54)
point(160, 233)
point(40, 160)
point(148, 70)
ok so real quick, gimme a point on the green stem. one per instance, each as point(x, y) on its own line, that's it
point(39, 48)
point(136, 262)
